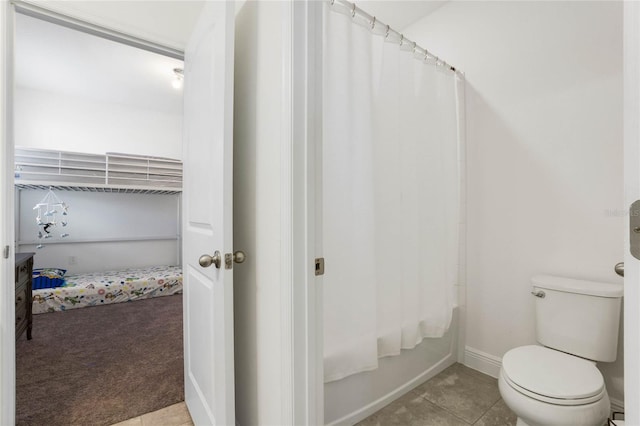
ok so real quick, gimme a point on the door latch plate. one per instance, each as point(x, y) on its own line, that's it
point(319, 265)
point(228, 261)
point(634, 229)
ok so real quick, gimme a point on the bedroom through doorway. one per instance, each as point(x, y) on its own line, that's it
point(98, 147)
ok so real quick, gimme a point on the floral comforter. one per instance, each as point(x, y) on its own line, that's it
point(102, 288)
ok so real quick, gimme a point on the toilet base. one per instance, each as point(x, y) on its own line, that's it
point(521, 422)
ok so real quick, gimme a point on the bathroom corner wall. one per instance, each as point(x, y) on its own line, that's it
point(544, 153)
point(258, 135)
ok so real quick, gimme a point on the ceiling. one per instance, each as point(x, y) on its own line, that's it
point(167, 22)
point(57, 59)
point(399, 14)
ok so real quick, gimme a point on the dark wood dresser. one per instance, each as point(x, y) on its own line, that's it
point(24, 272)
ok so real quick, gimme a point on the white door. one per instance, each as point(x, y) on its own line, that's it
point(207, 213)
point(632, 193)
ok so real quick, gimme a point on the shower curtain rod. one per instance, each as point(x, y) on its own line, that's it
point(374, 22)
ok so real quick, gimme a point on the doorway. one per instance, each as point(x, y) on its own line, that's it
point(78, 97)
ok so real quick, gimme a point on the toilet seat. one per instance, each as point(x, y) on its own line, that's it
point(552, 376)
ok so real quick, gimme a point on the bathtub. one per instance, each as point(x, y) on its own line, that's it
point(356, 397)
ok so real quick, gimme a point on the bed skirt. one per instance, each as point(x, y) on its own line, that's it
point(103, 288)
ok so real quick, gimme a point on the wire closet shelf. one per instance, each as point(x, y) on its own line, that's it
point(111, 172)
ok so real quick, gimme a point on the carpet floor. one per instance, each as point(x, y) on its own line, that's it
point(100, 365)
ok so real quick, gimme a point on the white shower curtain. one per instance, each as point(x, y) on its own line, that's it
point(390, 196)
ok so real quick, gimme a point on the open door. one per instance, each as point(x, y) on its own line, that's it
point(632, 194)
point(207, 217)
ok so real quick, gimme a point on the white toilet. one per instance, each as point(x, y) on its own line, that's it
point(558, 383)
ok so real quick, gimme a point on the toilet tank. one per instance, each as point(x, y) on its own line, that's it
point(578, 317)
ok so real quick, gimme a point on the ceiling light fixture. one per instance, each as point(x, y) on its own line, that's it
point(178, 79)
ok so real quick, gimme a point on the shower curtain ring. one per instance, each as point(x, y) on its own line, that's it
point(353, 11)
point(332, 2)
point(414, 47)
point(373, 23)
point(387, 33)
point(401, 39)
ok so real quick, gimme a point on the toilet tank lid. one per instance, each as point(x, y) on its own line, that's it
point(570, 285)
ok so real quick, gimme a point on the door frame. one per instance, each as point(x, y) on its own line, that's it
point(7, 218)
point(8, 11)
point(302, 362)
point(631, 67)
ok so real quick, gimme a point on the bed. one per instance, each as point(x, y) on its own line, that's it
point(103, 288)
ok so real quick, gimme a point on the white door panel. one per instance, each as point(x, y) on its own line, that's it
point(207, 220)
point(632, 193)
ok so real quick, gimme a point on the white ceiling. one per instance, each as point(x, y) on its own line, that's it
point(399, 14)
point(167, 22)
point(56, 59)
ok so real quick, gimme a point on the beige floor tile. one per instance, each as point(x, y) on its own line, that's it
point(174, 415)
point(136, 421)
point(470, 371)
point(498, 415)
point(465, 394)
point(411, 410)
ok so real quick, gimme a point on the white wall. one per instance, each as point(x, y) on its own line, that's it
point(545, 163)
point(97, 225)
point(57, 121)
point(258, 132)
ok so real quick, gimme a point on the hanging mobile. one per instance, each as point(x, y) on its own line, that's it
point(48, 210)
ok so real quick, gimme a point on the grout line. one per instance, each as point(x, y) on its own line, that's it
point(425, 399)
point(473, 376)
point(447, 410)
point(488, 409)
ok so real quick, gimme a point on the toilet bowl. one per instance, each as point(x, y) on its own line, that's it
point(557, 383)
point(543, 386)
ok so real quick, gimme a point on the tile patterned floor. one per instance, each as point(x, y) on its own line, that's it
point(174, 415)
point(459, 396)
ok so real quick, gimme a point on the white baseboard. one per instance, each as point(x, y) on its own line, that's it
point(482, 361)
point(617, 405)
point(490, 364)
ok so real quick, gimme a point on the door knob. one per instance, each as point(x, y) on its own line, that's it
point(619, 268)
point(205, 260)
point(239, 256)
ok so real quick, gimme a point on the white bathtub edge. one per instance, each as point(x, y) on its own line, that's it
point(366, 411)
